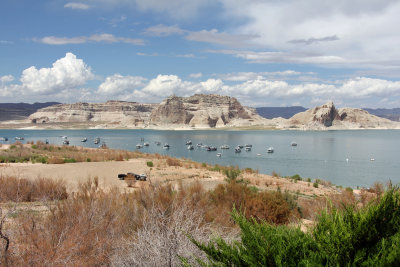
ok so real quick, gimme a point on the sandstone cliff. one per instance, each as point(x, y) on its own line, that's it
point(328, 117)
point(111, 113)
point(203, 111)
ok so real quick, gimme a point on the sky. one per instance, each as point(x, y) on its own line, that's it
point(263, 52)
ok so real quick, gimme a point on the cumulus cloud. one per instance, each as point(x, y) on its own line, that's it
point(57, 82)
point(117, 84)
point(258, 91)
point(96, 38)
point(75, 5)
point(6, 79)
point(66, 73)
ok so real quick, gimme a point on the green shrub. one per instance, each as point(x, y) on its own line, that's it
point(150, 164)
point(296, 177)
point(315, 184)
point(69, 160)
point(232, 173)
point(369, 236)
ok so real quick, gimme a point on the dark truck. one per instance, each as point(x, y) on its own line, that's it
point(132, 176)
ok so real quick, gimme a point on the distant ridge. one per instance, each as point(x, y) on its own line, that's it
point(388, 113)
point(18, 111)
point(276, 112)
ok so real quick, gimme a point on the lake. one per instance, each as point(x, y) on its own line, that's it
point(342, 157)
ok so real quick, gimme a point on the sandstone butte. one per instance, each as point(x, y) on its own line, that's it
point(199, 111)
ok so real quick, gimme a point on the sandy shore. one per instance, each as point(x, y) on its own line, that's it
point(107, 172)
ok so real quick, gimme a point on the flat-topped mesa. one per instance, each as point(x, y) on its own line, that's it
point(202, 111)
point(112, 112)
point(328, 116)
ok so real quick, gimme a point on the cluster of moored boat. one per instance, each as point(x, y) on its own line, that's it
point(190, 146)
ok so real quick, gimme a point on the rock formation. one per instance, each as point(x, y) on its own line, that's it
point(203, 111)
point(200, 111)
point(328, 117)
point(117, 113)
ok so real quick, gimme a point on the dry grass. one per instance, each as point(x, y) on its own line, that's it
point(24, 190)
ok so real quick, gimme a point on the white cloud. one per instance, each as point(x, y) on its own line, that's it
point(164, 85)
point(161, 30)
point(97, 38)
point(74, 5)
point(6, 79)
point(196, 75)
point(283, 57)
point(117, 84)
point(67, 73)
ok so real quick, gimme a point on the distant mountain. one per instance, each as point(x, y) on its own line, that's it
point(19, 111)
point(391, 114)
point(275, 112)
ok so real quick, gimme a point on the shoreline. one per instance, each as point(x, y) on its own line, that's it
point(100, 126)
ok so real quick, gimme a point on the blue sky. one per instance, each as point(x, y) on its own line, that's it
point(265, 53)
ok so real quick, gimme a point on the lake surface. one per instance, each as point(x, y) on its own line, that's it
point(342, 157)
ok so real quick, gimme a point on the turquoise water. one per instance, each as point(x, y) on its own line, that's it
point(342, 157)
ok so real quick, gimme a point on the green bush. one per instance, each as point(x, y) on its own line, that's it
point(296, 177)
point(150, 164)
point(315, 184)
point(368, 236)
point(69, 160)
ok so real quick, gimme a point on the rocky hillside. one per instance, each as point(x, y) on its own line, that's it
point(112, 113)
point(203, 111)
point(327, 116)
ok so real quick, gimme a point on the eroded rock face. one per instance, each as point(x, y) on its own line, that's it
point(200, 111)
point(344, 118)
point(115, 112)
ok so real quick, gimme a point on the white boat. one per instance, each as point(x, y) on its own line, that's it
point(224, 147)
point(219, 154)
point(5, 139)
point(189, 142)
point(247, 148)
point(84, 139)
point(293, 144)
point(66, 142)
point(19, 138)
point(190, 147)
point(238, 150)
point(166, 146)
point(97, 140)
point(139, 146)
point(270, 150)
point(248, 145)
point(146, 144)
